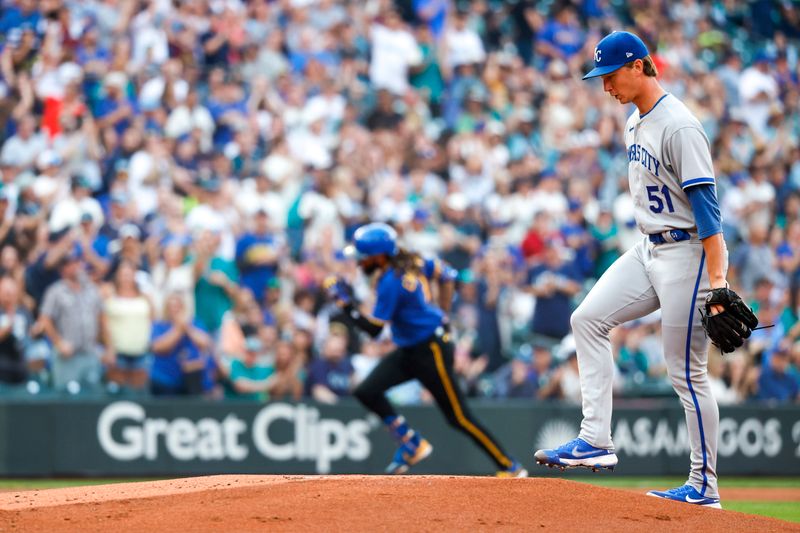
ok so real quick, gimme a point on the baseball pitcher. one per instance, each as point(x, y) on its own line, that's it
point(682, 260)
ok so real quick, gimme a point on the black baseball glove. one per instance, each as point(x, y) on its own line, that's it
point(728, 329)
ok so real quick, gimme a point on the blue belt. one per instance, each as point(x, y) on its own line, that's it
point(673, 235)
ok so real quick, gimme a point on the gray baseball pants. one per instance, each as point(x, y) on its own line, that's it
point(672, 277)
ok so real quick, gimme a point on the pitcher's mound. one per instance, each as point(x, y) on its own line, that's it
point(361, 503)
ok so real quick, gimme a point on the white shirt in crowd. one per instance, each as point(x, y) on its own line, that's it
point(329, 107)
point(167, 281)
point(204, 217)
point(184, 119)
point(393, 52)
point(68, 212)
point(763, 194)
point(153, 90)
point(142, 181)
point(752, 83)
point(150, 44)
point(249, 200)
point(22, 152)
point(324, 223)
point(464, 47)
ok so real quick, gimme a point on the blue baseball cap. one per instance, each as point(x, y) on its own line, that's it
point(615, 50)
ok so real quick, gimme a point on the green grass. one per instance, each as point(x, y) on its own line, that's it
point(35, 484)
point(782, 510)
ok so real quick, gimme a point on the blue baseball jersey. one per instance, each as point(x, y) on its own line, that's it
point(437, 270)
point(404, 300)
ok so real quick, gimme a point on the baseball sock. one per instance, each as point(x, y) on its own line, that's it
point(399, 429)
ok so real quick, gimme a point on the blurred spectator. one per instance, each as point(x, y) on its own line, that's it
point(722, 391)
point(172, 273)
point(426, 77)
point(248, 377)
point(114, 109)
point(72, 317)
point(180, 348)
point(777, 383)
point(127, 248)
point(15, 325)
point(553, 283)
point(495, 279)
point(516, 379)
point(384, 116)
point(129, 319)
point(23, 148)
point(394, 50)
point(758, 92)
point(633, 361)
point(562, 38)
point(286, 383)
point(460, 232)
point(331, 376)
point(11, 266)
point(569, 380)
point(216, 281)
point(257, 255)
point(604, 233)
point(463, 46)
point(547, 384)
point(754, 260)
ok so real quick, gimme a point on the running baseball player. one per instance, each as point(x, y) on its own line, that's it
point(424, 349)
point(682, 260)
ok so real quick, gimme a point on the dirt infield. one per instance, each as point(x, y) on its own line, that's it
point(360, 503)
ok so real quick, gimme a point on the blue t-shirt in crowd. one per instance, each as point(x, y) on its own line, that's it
point(83, 55)
point(780, 387)
point(223, 134)
point(334, 375)
point(437, 17)
point(566, 38)
point(249, 249)
point(404, 300)
point(551, 315)
point(106, 106)
point(166, 369)
point(13, 17)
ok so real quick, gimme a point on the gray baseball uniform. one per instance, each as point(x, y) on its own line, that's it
point(668, 152)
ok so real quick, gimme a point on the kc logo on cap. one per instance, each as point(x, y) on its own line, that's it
point(615, 50)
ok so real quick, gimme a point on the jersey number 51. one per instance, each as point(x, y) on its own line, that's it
point(656, 201)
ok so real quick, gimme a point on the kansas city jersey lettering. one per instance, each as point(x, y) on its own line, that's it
point(639, 153)
point(660, 169)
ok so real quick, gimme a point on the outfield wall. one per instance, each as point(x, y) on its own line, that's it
point(73, 437)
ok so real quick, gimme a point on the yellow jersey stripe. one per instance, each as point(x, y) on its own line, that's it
point(462, 420)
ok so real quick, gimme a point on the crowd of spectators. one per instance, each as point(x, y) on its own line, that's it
point(178, 176)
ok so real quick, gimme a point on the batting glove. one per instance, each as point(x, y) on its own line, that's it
point(338, 290)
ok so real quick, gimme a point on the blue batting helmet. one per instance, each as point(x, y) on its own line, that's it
point(375, 239)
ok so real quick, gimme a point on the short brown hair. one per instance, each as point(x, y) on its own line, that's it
point(649, 67)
